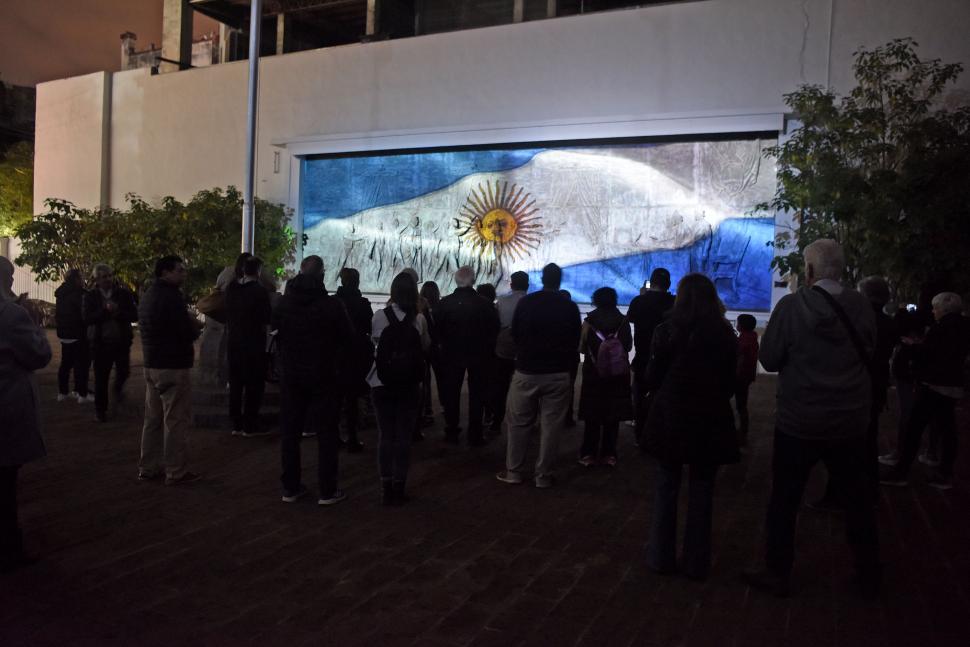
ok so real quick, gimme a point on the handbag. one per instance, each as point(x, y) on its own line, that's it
point(213, 305)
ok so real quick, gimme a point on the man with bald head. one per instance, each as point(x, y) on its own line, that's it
point(467, 326)
point(820, 340)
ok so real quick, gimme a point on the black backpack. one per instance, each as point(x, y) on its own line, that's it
point(400, 359)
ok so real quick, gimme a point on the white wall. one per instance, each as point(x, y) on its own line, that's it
point(174, 134)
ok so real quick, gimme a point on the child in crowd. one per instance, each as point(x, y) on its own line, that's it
point(747, 370)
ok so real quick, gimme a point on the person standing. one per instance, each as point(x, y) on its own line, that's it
point(819, 340)
point(487, 292)
point(168, 332)
point(467, 325)
point(109, 310)
point(645, 312)
point(362, 354)
point(939, 365)
point(23, 350)
point(546, 330)
point(247, 315)
point(691, 374)
point(314, 335)
point(75, 356)
point(747, 371)
point(505, 346)
point(400, 335)
point(430, 295)
point(604, 398)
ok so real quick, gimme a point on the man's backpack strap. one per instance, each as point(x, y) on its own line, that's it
point(844, 318)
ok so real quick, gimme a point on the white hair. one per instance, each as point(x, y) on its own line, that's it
point(948, 302)
point(826, 258)
point(100, 268)
point(465, 277)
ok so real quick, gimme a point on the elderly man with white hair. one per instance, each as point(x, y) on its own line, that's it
point(939, 362)
point(467, 327)
point(819, 340)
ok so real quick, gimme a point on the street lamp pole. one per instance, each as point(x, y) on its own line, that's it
point(248, 220)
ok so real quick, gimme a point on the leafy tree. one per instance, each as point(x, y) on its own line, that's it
point(885, 170)
point(16, 187)
point(204, 231)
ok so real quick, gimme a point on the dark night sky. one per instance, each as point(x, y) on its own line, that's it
point(41, 40)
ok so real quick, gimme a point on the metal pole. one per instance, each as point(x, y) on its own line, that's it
point(248, 220)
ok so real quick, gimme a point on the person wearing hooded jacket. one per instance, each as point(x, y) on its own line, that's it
point(355, 386)
point(314, 335)
point(23, 350)
point(823, 408)
point(75, 355)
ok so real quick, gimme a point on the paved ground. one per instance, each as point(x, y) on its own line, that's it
point(470, 561)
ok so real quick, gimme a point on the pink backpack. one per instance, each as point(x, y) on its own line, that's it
point(612, 359)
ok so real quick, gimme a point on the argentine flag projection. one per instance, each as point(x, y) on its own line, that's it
point(608, 215)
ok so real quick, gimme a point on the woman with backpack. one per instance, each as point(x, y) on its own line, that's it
point(400, 335)
point(604, 399)
point(691, 375)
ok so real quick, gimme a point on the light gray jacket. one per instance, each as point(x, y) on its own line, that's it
point(823, 385)
point(23, 350)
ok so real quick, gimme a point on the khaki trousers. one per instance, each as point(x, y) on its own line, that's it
point(545, 397)
point(168, 416)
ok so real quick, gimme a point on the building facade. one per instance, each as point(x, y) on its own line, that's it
point(669, 87)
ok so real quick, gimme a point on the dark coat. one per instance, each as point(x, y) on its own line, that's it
point(360, 312)
point(939, 360)
point(314, 335)
point(23, 350)
point(645, 312)
point(247, 314)
point(167, 329)
point(604, 398)
point(467, 325)
point(546, 329)
point(690, 376)
point(97, 319)
point(68, 312)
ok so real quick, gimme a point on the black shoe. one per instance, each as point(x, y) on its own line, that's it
point(451, 439)
point(354, 447)
point(477, 442)
point(826, 504)
point(768, 582)
point(417, 437)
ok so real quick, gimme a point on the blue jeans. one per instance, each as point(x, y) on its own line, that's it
point(662, 546)
point(397, 416)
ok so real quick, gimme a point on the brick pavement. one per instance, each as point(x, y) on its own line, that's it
point(470, 561)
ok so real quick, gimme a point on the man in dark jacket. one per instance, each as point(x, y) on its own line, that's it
point(168, 332)
point(467, 326)
point(823, 406)
point(645, 312)
point(939, 364)
point(69, 315)
point(876, 290)
point(546, 329)
point(361, 357)
point(109, 311)
point(314, 335)
point(247, 315)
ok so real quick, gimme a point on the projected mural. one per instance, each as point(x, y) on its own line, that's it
point(607, 214)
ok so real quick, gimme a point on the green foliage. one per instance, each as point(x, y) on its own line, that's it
point(204, 231)
point(884, 170)
point(16, 187)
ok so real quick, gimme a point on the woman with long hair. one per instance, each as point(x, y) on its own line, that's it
point(691, 375)
point(397, 405)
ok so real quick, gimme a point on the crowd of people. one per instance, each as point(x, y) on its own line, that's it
point(834, 348)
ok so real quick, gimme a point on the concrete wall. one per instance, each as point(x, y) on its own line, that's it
point(174, 134)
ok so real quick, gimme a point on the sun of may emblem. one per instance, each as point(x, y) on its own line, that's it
point(500, 220)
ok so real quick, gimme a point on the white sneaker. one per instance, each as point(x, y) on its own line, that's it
point(928, 460)
point(892, 459)
point(334, 498)
point(89, 398)
point(62, 396)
